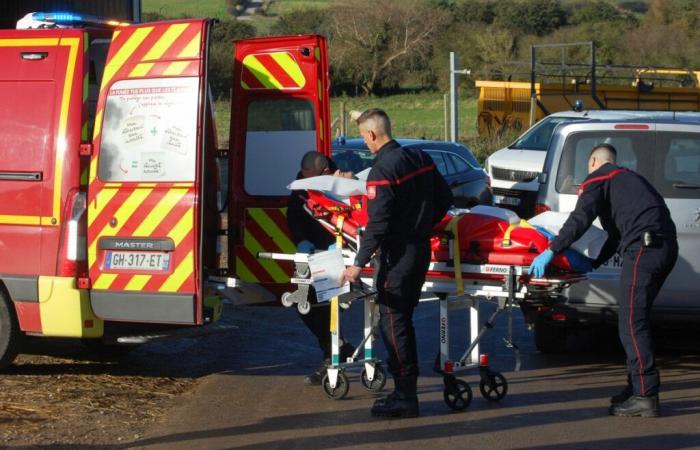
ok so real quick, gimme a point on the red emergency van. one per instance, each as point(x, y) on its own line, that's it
point(108, 172)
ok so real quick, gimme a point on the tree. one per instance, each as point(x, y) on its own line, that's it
point(221, 54)
point(477, 11)
point(588, 12)
point(373, 40)
point(307, 21)
point(539, 17)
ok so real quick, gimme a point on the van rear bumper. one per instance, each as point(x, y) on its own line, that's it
point(144, 307)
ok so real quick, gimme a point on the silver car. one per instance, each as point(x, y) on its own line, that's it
point(664, 148)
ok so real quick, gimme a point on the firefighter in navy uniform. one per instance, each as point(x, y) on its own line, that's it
point(640, 229)
point(309, 236)
point(406, 196)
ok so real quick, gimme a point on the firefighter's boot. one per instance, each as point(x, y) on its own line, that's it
point(626, 393)
point(403, 402)
point(637, 406)
point(315, 377)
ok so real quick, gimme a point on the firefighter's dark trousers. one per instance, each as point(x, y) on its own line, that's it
point(318, 322)
point(644, 271)
point(400, 278)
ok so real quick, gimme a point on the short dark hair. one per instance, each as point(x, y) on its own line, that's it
point(314, 160)
point(379, 117)
point(606, 149)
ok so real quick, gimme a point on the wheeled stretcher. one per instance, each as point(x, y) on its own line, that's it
point(478, 254)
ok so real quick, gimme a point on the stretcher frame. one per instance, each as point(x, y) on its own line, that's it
point(451, 282)
point(336, 383)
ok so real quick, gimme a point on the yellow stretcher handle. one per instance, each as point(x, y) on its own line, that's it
point(456, 255)
point(339, 246)
point(506, 236)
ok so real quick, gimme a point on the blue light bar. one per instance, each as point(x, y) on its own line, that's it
point(58, 17)
point(66, 18)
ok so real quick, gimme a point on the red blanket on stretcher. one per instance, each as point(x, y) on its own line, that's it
point(483, 239)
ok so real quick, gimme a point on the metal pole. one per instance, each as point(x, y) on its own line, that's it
point(446, 115)
point(533, 94)
point(343, 124)
point(453, 97)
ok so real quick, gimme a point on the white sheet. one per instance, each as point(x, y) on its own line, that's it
point(337, 186)
point(590, 243)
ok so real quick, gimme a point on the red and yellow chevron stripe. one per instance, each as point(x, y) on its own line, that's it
point(145, 211)
point(265, 229)
point(276, 70)
point(157, 210)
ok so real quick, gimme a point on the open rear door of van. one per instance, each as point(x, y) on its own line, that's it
point(280, 110)
point(145, 229)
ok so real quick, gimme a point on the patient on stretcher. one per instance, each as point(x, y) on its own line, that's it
point(483, 234)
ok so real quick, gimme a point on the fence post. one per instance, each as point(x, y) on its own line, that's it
point(343, 119)
point(446, 115)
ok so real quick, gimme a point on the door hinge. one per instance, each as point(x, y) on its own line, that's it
point(85, 149)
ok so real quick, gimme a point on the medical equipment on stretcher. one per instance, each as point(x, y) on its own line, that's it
point(482, 253)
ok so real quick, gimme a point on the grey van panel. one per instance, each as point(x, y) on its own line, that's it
point(672, 163)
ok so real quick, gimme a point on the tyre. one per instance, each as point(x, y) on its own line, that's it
point(287, 300)
point(379, 381)
point(549, 338)
point(10, 334)
point(342, 386)
point(457, 394)
point(494, 388)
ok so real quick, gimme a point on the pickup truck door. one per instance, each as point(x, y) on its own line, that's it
point(279, 110)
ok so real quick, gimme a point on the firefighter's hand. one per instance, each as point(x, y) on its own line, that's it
point(539, 264)
point(305, 247)
point(348, 174)
point(351, 274)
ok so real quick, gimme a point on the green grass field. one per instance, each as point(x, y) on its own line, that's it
point(413, 116)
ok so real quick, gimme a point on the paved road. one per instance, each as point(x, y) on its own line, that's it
point(256, 398)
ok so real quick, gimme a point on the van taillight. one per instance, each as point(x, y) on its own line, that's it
point(540, 208)
point(73, 252)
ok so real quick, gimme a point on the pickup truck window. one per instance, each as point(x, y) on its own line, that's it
point(632, 149)
point(678, 168)
point(150, 131)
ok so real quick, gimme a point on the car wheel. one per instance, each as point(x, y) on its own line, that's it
point(550, 337)
point(10, 334)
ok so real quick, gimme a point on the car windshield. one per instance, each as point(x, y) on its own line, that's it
point(537, 137)
point(355, 159)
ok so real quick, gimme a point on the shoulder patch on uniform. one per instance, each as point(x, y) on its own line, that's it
point(371, 192)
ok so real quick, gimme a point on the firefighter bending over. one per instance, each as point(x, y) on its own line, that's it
point(640, 229)
point(309, 235)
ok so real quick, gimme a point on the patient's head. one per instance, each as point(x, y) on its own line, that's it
point(313, 164)
point(600, 155)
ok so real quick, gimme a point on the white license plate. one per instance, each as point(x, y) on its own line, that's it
point(503, 200)
point(147, 261)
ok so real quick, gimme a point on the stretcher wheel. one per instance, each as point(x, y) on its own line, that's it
point(457, 395)
point(494, 388)
point(304, 307)
point(286, 299)
point(379, 381)
point(342, 386)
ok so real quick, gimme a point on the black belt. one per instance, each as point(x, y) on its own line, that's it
point(649, 237)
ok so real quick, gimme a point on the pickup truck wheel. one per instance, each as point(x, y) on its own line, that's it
point(549, 338)
point(10, 334)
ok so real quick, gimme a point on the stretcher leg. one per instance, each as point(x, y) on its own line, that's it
point(473, 333)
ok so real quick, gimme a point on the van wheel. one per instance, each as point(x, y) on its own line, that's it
point(10, 334)
point(549, 338)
